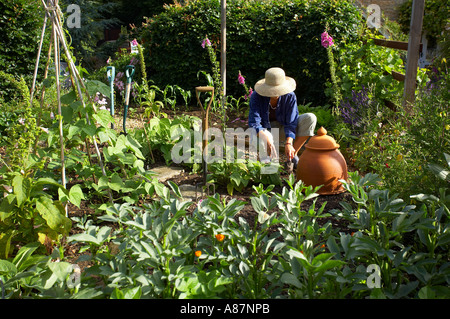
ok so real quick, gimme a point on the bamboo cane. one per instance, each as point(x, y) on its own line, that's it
point(33, 86)
point(58, 94)
point(53, 7)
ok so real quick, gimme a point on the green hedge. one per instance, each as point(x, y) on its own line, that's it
point(21, 25)
point(260, 34)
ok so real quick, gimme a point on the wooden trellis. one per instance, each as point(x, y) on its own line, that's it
point(53, 13)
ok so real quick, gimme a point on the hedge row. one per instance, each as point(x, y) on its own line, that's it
point(260, 34)
point(21, 26)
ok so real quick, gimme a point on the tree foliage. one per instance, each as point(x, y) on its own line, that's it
point(21, 24)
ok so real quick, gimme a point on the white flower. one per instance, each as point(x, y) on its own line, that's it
point(44, 129)
point(22, 121)
point(103, 108)
point(102, 101)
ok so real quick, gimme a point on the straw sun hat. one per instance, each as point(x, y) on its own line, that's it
point(275, 83)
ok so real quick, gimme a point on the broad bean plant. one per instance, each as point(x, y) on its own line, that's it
point(174, 248)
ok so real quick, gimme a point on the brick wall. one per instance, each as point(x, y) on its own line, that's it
point(388, 7)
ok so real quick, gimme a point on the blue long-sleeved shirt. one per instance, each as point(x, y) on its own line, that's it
point(286, 113)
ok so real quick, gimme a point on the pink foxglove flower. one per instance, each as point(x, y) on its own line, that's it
point(134, 42)
point(250, 91)
point(205, 43)
point(241, 79)
point(326, 39)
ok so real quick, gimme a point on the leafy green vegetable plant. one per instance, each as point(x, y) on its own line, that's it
point(28, 212)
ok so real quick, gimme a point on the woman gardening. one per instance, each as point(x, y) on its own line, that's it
point(274, 105)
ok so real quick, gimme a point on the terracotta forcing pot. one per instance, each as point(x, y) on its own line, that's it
point(321, 163)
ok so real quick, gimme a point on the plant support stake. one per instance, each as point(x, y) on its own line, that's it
point(412, 58)
point(52, 9)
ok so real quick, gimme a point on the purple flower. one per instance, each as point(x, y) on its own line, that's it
point(326, 39)
point(133, 61)
point(134, 43)
point(206, 42)
point(352, 109)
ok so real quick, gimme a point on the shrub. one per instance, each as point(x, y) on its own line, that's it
point(21, 23)
point(400, 146)
point(256, 31)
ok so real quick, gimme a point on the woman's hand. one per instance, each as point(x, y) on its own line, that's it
point(268, 138)
point(289, 151)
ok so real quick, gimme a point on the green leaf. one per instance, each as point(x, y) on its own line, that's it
point(24, 254)
point(116, 183)
point(175, 189)
point(133, 293)
point(7, 206)
point(84, 238)
point(135, 146)
point(290, 279)
point(67, 113)
point(103, 234)
point(60, 269)
point(230, 188)
point(74, 130)
point(94, 86)
point(47, 181)
point(103, 117)
point(7, 268)
point(17, 185)
point(5, 243)
point(296, 254)
point(68, 98)
point(54, 214)
point(76, 195)
point(90, 129)
point(63, 195)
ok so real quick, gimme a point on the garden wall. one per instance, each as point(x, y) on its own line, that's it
point(259, 35)
point(390, 8)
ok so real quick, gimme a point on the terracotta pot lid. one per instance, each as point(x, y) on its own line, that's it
point(322, 141)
